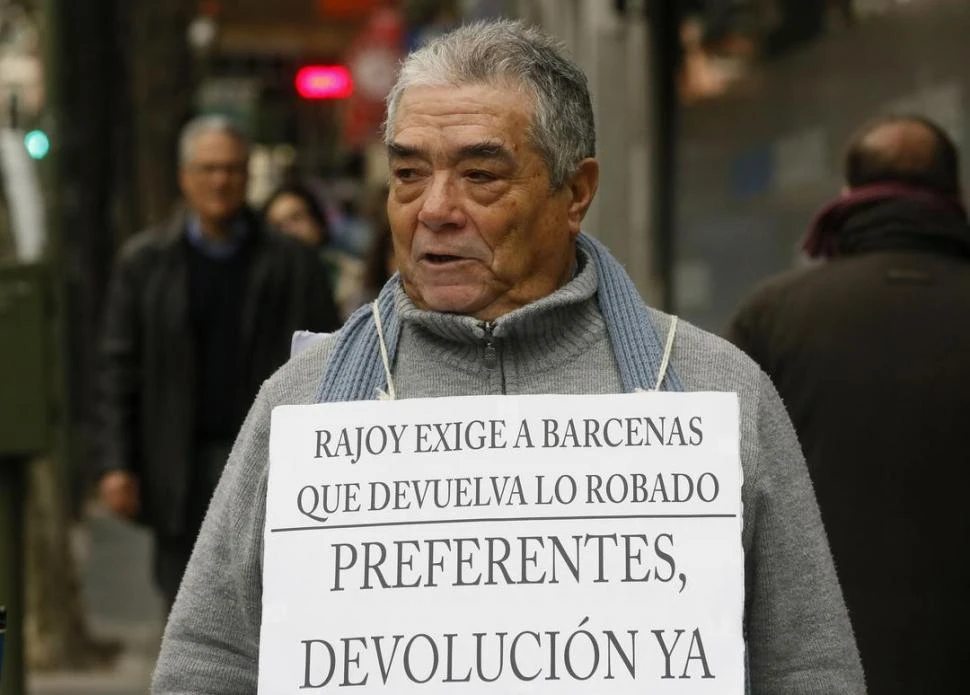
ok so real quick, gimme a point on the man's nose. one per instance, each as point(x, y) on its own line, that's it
point(441, 208)
point(221, 178)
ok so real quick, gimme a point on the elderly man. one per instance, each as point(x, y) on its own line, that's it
point(200, 311)
point(491, 142)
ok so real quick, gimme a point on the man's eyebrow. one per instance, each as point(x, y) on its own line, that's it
point(395, 149)
point(478, 150)
point(486, 150)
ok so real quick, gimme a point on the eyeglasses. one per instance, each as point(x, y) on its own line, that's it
point(213, 168)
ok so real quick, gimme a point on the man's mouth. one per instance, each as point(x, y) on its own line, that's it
point(441, 258)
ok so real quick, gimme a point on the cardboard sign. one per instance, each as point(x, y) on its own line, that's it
point(505, 544)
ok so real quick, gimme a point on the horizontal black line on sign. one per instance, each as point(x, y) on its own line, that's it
point(500, 519)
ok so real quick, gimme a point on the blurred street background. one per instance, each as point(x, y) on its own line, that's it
point(720, 128)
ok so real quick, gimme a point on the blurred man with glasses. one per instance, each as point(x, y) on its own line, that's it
point(200, 310)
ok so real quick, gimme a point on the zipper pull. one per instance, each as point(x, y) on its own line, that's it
point(491, 352)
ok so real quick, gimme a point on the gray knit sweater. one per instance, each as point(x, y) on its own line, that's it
point(799, 637)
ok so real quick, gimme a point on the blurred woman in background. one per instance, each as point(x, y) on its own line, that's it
point(295, 211)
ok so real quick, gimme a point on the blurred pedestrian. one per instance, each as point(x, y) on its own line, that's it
point(200, 311)
point(869, 351)
point(294, 210)
point(491, 140)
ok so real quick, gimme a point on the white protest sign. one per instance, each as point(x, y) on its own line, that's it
point(505, 544)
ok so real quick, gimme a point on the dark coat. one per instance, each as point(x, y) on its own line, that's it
point(146, 412)
point(871, 353)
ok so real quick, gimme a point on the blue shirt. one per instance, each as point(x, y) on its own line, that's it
point(216, 249)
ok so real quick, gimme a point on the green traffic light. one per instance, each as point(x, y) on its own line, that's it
point(37, 144)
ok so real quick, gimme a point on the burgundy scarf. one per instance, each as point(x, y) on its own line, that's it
point(822, 240)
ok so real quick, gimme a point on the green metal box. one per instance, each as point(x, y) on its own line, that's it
point(25, 352)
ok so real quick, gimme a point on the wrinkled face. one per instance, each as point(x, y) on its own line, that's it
point(213, 180)
point(291, 215)
point(477, 229)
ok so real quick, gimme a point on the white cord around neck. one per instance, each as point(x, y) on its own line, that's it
point(389, 395)
point(668, 350)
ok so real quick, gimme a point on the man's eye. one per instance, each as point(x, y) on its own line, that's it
point(478, 176)
point(405, 174)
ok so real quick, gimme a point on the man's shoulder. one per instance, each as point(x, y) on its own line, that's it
point(704, 361)
point(152, 239)
point(298, 380)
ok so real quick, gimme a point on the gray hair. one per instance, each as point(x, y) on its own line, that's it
point(207, 124)
point(508, 53)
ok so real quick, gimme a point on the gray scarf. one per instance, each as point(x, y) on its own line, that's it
point(356, 372)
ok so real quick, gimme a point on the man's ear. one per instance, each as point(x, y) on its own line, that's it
point(582, 188)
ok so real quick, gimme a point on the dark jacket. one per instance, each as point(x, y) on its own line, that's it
point(146, 414)
point(871, 353)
